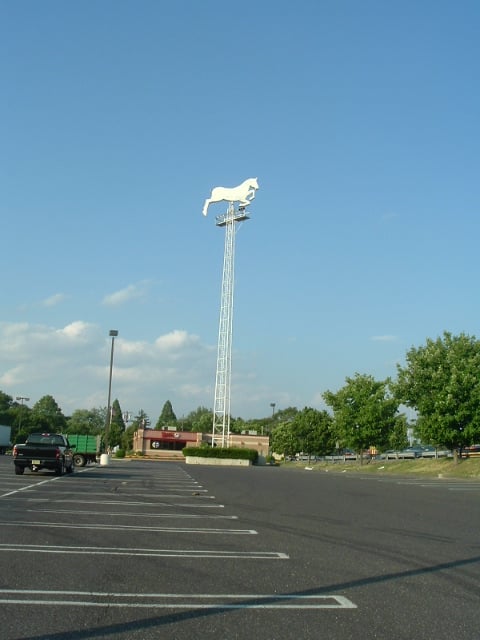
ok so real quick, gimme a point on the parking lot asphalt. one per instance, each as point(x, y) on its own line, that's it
point(141, 549)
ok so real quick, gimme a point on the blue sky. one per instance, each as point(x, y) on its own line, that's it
point(118, 117)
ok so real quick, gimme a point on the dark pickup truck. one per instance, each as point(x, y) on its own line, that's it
point(44, 451)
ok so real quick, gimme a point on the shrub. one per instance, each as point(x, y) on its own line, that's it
point(120, 453)
point(222, 452)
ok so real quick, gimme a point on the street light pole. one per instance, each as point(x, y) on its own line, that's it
point(113, 334)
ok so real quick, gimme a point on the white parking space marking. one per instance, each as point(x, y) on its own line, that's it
point(114, 527)
point(438, 483)
point(152, 553)
point(29, 487)
point(135, 515)
point(177, 600)
point(126, 503)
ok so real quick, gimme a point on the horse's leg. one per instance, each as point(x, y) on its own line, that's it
point(206, 205)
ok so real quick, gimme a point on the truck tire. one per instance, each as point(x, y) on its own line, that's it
point(19, 470)
point(79, 460)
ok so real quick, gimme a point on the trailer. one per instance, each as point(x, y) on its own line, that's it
point(5, 436)
point(86, 448)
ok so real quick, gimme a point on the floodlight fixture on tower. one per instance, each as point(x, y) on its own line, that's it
point(243, 195)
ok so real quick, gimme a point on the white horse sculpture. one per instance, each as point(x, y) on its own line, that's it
point(243, 194)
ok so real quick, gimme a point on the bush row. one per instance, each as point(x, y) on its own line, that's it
point(220, 452)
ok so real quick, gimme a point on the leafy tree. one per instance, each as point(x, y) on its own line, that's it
point(140, 421)
point(237, 425)
point(18, 418)
point(441, 381)
point(6, 404)
point(127, 437)
point(310, 431)
point(87, 421)
point(284, 440)
point(364, 412)
point(200, 420)
point(167, 417)
point(285, 415)
point(397, 438)
point(46, 415)
point(314, 430)
point(116, 425)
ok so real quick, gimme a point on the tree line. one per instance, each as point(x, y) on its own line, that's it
point(440, 381)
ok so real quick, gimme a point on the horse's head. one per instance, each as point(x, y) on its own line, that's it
point(253, 183)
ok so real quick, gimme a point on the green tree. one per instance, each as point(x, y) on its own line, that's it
point(397, 438)
point(167, 418)
point(364, 412)
point(310, 431)
point(314, 431)
point(116, 425)
point(127, 437)
point(18, 417)
point(284, 441)
point(140, 421)
point(199, 420)
point(237, 425)
point(87, 421)
point(285, 415)
point(46, 415)
point(204, 424)
point(6, 404)
point(441, 381)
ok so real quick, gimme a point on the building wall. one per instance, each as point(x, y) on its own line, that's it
point(155, 443)
point(259, 443)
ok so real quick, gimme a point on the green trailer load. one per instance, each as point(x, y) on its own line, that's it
point(85, 448)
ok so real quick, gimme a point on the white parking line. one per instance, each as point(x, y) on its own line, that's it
point(114, 527)
point(59, 490)
point(127, 503)
point(29, 486)
point(152, 553)
point(134, 515)
point(178, 601)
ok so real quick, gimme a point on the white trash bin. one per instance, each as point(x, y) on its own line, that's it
point(104, 459)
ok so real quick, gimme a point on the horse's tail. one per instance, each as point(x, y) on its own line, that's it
point(205, 207)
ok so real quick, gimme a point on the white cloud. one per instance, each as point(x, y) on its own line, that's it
point(385, 338)
point(71, 363)
point(175, 341)
point(52, 301)
point(123, 296)
point(77, 330)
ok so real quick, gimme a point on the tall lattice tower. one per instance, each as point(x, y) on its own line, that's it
point(244, 193)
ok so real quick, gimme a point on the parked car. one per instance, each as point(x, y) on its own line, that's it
point(414, 451)
point(393, 454)
point(429, 451)
point(473, 451)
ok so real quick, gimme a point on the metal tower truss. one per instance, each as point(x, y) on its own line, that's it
point(221, 414)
